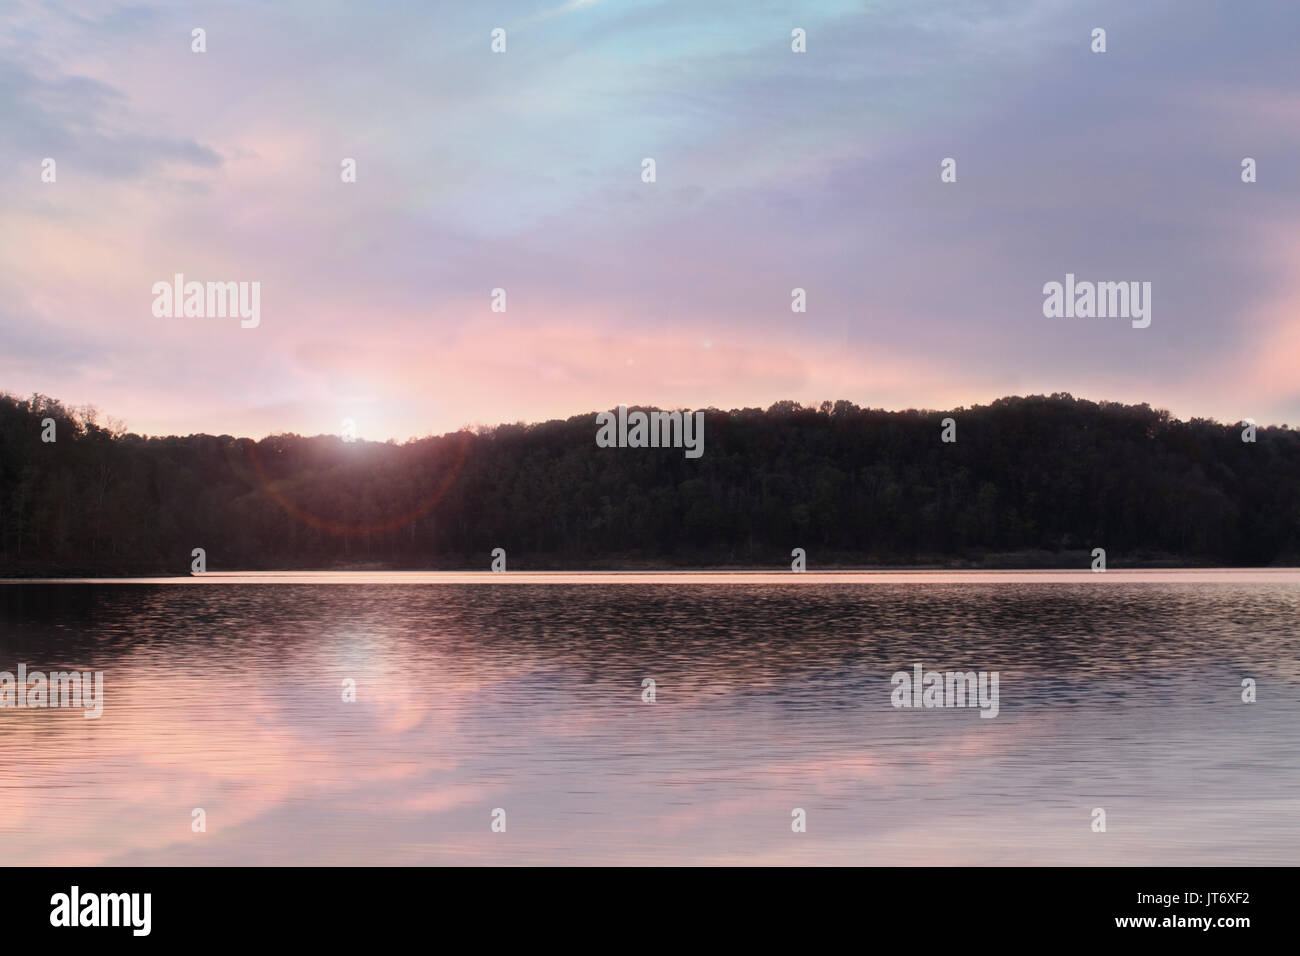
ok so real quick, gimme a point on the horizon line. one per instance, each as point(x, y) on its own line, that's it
point(475, 427)
point(768, 576)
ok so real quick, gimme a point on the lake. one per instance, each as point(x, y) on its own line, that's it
point(772, 693)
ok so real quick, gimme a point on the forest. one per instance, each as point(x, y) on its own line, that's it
point(1034, 481)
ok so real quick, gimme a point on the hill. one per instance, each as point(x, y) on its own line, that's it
point(1036, 480)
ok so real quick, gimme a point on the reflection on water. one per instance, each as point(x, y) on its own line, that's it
point(1125, 696)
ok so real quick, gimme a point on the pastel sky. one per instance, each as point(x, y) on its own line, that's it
point(522, 171)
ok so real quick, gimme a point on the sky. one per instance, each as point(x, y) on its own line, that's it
point(522, 170)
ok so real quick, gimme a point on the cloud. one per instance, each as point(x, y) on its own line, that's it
point(776, 170)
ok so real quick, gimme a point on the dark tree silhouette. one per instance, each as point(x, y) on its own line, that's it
point(1030, 481)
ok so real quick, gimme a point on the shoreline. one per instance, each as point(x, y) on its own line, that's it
point(766, 577)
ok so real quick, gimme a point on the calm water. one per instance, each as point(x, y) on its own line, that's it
point(1122, 693)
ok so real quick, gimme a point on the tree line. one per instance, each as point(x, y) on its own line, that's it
point(1029, 481)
